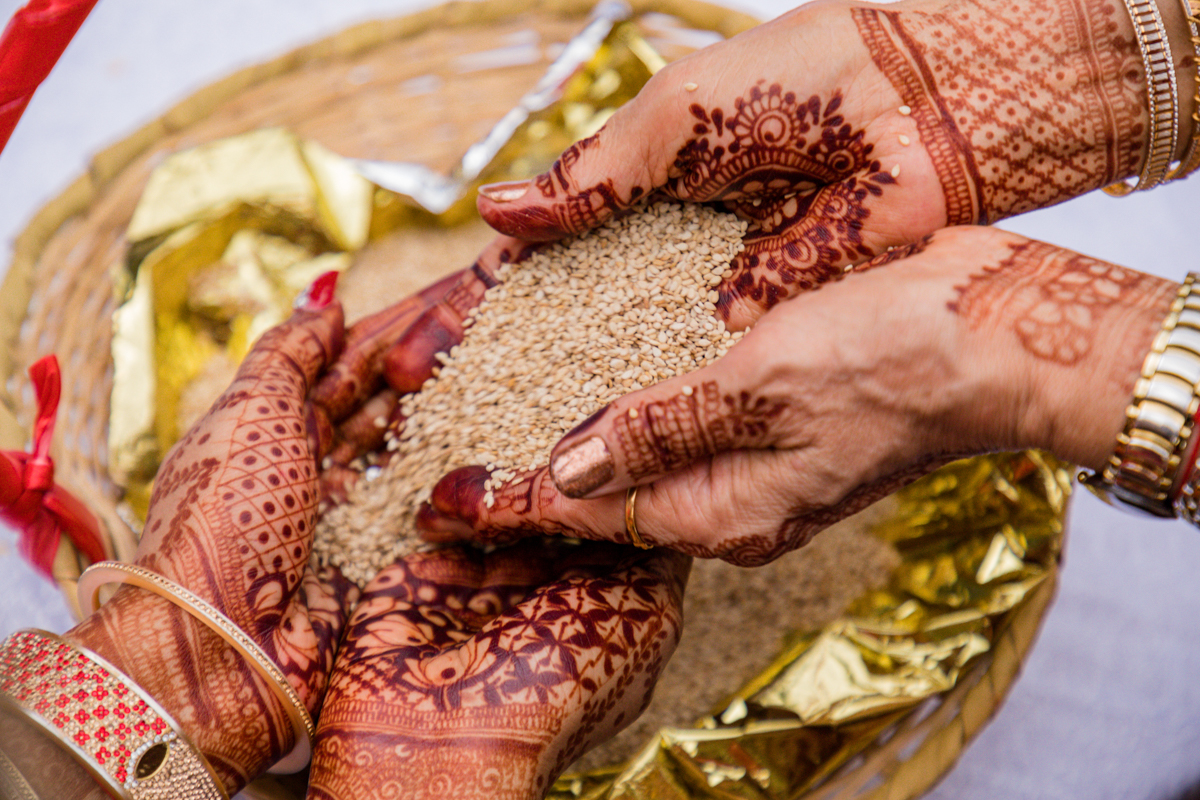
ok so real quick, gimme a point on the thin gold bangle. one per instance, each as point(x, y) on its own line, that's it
point(1161, 97)
point(1191, 159)
point(105, 572)
point(12, 783)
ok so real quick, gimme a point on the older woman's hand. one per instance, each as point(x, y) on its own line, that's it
point(977, 340)
point(841, 129)
point(482, 676)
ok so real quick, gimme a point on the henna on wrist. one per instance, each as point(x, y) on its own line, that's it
point(1020, 105)
point(1087, 326)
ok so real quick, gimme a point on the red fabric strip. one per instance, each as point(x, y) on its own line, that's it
point(30, 46)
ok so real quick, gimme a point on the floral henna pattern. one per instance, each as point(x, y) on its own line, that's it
point(772, 144)
point(791, 165)
point(799, 172)
point(1019, 107)
point(521, 502)
point(1052, 299)
point(465, 675)
point(664, 435)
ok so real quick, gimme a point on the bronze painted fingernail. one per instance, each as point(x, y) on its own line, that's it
point(583, 467)
point(505, 192)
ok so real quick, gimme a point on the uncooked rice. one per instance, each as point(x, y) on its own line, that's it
point(572, 328)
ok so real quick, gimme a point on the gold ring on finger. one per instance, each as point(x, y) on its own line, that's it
point(631, 530)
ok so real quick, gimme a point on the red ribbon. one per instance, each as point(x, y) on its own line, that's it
point(29, 48)
point(41, 512)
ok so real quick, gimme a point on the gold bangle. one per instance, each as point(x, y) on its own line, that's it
point(105, 721)
point(1191, 159)
point(12, 783)
point(105, 572)
point(1160, 420)
point(1161, 97)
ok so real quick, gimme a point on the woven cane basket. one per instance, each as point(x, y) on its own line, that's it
point(57, 296)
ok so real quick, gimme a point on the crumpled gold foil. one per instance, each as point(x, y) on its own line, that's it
point(224, 237)
point(976, 539)
point(602, 76)
point(610, 78)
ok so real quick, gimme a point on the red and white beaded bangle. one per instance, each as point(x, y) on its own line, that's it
point(113, 728)
point(104, 572)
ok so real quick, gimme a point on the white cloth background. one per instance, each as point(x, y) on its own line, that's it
point(1108, 706)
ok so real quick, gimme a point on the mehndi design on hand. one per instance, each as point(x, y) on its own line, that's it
point(917, 117)
point(465, 675)
point(231, 519)
point(1020, 106)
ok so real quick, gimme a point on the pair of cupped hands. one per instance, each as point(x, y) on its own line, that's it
point(484, 672)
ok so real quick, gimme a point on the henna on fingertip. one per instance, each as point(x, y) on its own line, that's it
point(357, 374)
point(576, 194)
point(366, 429)
point(319, 428)
point(526, 505)
point(454, 510)
point(305, 344)
point(413, 359)
point(662, 429)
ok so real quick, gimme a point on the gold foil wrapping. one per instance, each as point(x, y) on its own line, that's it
point(608, 74)
point(225, 236)
point(976, 539)
point(611, 77)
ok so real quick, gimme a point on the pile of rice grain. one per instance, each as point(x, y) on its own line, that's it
point(574, 327)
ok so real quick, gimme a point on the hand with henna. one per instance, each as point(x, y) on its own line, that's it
point(842, 129)
point(468, 675)
point(231, 519)
point(463, 674)
point(976, 340)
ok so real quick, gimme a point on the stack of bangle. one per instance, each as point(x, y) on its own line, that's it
point(108, 723)
point(105, 572)
point(112, 728)
point(1191, 159)
point(1144, 471)
point(1162, 96)
point(1166, 125)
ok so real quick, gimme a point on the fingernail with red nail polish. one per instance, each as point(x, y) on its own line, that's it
point(319, 294)
point(583, 467)
point(505, 192)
